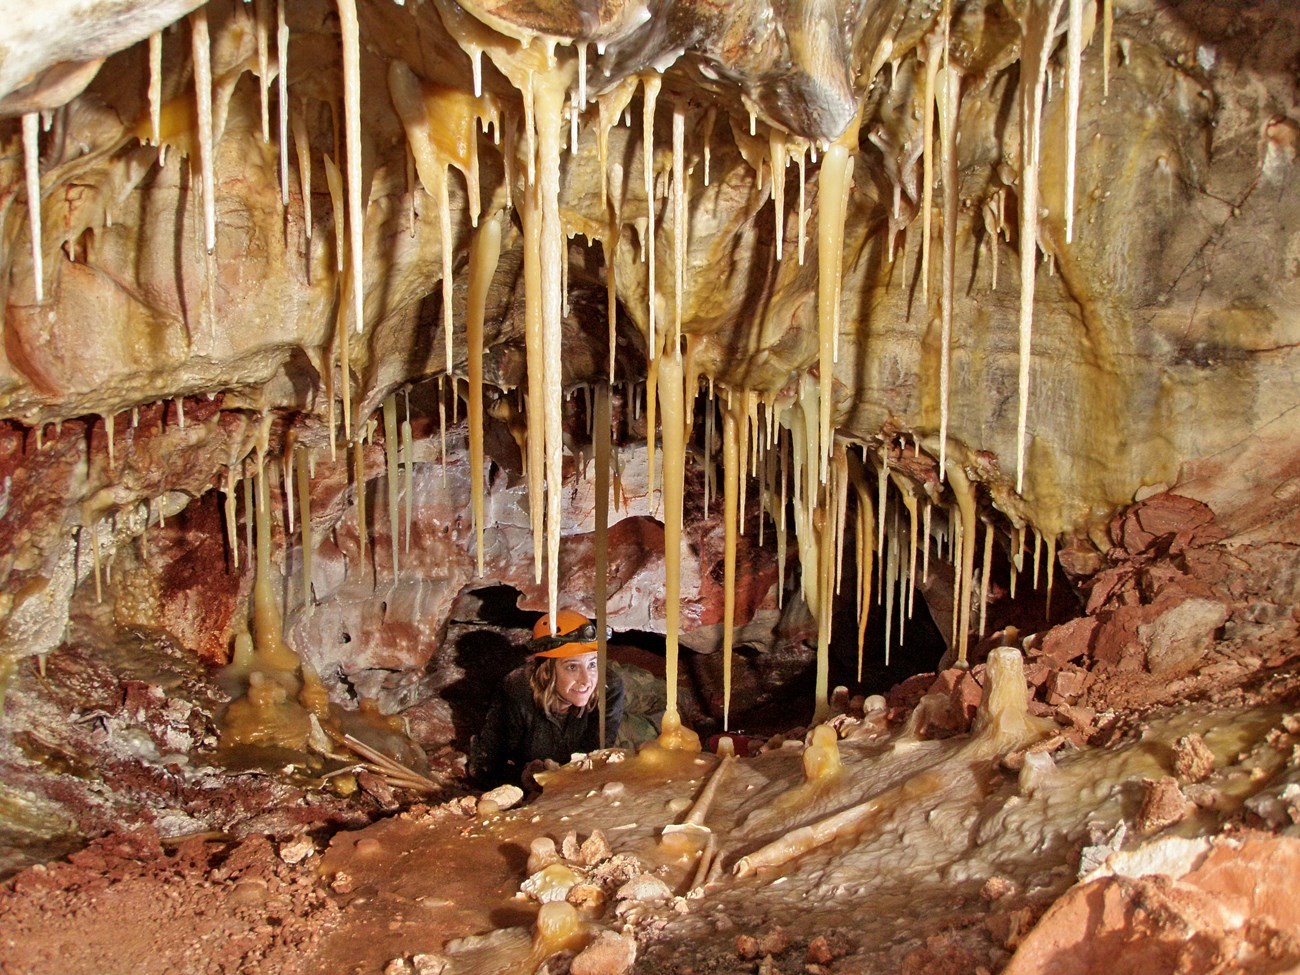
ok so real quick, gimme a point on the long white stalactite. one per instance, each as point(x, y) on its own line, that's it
point(32, 166)
point(201, 46)
point(352, 127)
point(1038, 29)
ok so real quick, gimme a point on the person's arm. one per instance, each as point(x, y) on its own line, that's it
point(495, 745)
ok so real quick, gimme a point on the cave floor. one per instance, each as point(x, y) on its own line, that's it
point(956, 857)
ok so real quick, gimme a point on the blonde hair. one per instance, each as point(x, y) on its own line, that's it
point(545, 696)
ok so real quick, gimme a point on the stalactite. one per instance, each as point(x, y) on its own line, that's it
point(1038, 29)
point(1107, 30)
point(202, 53)
point(986, 570)
point(302, 146)
point(391, 447)
point(408, 465)
point(282, 79)
point(836, 171)
point(232, 525)
point(964, 492)
point(32, 167)
point(840, 468)
point(1074, 54)
point(681, 227)
point(650, 93)
point(262, 29)
point(303, 460)
point(934, 53)
point(674, 462)
point(781, 523)
point(865, 549)
point(442, 429)
point(485, 251)
point(535, 458)
point(777, 160)
point(949, 95)
point(1051, 574)
point(359, 493)
point(601, 568)
point(549, 94)
point(925, 540)
point(891, 583)
point(249, 522)
point(155, 88)
point(350, 35)
point(803, 205)
point(730, 502)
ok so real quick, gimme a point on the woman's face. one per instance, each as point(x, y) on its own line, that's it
point(575, 679)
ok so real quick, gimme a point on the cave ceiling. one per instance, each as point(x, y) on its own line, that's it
point(1151, 346)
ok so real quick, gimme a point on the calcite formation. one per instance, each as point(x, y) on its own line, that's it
point(761, 316)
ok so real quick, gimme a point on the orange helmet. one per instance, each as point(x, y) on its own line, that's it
point(567, 624)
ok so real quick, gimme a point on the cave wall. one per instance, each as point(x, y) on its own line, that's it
point(1163, 339)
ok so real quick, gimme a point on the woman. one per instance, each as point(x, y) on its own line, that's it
point(547, 709)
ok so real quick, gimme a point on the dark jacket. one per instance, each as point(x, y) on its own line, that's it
point(517, 732)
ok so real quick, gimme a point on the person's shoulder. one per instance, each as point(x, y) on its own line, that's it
point(519, 682)
point(613, 679)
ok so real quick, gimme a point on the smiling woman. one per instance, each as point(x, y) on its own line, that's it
point(547, 709)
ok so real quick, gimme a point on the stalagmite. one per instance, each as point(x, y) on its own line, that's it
point(949, 94)
point(391, 447)
point(303, 460)
point(350, 34)
point(1038, 29)
point(32, 165)
point(155, 88)
point(302, 147)
point(730, 495)
point(650, 85)
point(268, 628)
point(1074, 53)
point(282, 76)
point(964, 492)
point(485, 251)
point(202, 52)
